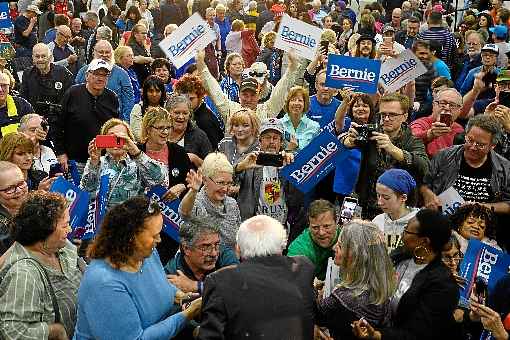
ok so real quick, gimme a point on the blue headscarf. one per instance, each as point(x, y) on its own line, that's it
point(398, 180)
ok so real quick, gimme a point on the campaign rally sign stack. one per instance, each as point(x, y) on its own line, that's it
point(314, 162)
point(299, 36)
point(169, 209)
point(359, 74)
point(182, 45)
point(481, 261)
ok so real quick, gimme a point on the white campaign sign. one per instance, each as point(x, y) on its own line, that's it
point(296, 35)
point(397, 72)
point(182, 45)
point(450, 200)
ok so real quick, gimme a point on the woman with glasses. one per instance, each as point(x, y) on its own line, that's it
point(210, 201)
point(13, 191)
point(184, 132)
point(367, 281)
point(124, 293)
point(426, 295)
point(17, 148)
point(129, 169)
point(153, 96)
point(141, 50)
point(395, 196)
point(40, 276)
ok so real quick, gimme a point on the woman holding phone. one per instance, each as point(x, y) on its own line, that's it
point(129, 169)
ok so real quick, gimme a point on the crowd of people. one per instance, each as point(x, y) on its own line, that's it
point(254, 253)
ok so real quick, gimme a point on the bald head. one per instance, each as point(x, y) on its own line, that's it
point(261, 235)
point(41, 57)
point(103, 50)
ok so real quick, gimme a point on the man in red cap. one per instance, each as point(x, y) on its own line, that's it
point(273, 25)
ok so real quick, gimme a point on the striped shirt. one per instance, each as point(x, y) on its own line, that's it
point(230, 87)
point(446, 39)
point(26, 307)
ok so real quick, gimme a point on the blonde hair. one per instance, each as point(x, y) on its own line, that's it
point(328, 35)
point(152, 116)
point(237, 25)
point(113, 122)
point(245, 116)
point(229, 58)
point(12, 141)
point(298, 91)
point(120, 52)
point(268, 38)
point(220, 7)
point(214, 163)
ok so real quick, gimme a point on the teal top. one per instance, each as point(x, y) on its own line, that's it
point(305, 132)
point(305, 246)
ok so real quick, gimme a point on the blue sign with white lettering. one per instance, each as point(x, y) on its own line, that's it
point(314, 162)
point(481, 261)
point(77, 198)
point(5, 18)
point(169, 209)
point(360, 74)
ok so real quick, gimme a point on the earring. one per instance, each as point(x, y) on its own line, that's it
point(420, 253)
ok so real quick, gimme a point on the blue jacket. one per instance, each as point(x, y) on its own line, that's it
point(467, 85)
point(120, 83)
point(467, 66)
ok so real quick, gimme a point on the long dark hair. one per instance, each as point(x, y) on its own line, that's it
point(152, 82)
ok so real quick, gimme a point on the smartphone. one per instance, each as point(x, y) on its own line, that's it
point(446, 119)
point(44, 125)
point(481, 290)
point(347, 212)
point(504, 98)
point(55, 168)
point(490, 79)
point(270, 159)
point(387, 40)
point(324, 47)
point(286, 136)
point(109, 141)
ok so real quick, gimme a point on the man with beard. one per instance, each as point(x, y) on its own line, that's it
point(423, 99)
point(200, 254)
point(472, 58)
point(365, 47)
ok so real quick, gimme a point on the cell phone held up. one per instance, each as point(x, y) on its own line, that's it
point(504, 98)
point(55, 168)
point(270, 159)
point(481, 290)
point(489, 79)
point(324, 47)
point(446, 119)
point(109, 142)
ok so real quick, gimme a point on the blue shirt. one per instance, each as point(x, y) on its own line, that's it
point(225, 27)
point(467, 85)
point(323, 114)
point(113, 304)
point(136, 85)
point(305, 132)
point(442, 69)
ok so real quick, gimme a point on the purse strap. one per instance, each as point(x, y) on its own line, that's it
point(56, 309)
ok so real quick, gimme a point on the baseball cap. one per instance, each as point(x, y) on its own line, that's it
point(438, 8)
point(258, 70)
point(504, 75)
point(271, 124)
point(500, 31)
point(388, 28)
point(341, 4)
point(34, 8)
point(491, 48)
point(97, 64)
point(249, 83)
point(277, 10)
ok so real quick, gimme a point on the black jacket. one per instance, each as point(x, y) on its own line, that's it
point(196, 141)
point(208, 122)
point(425, 311)
point(81, 119)
point(266, 298)
point(5, 233)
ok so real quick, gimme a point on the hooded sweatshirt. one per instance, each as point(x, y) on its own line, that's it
point(393, 229)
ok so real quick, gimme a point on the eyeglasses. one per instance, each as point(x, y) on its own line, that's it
point(4, 86)
point(450, 259)
point(161, 128)
point(476, 145)
point(65, 36)
point(103, 75)
point(389, 116)
point(324, 227)
point(13, 188)
point(444, 104)
point(410, 232)
point(222, 184)
point(257, 74)
point(208, 248)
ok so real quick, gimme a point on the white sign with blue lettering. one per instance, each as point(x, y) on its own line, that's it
point(182, 45)
point(397, 72)
point(299, 36)
point(359, 74)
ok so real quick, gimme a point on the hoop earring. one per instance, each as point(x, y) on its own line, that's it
point(424, 253)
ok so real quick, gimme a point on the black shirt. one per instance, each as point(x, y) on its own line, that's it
point(82, 117)
point(20, 25)
point(474, 184)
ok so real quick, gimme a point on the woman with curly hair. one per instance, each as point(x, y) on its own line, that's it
point(474, 221)
point(124, 293)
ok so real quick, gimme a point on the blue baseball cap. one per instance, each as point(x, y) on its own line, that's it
point(500, 31)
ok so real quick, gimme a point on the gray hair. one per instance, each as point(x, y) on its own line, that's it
point(25, 119)
point(91, 15)
point(487, 123)
point(214, 163)
point(104, 33)
point(191, 231)
point(449, 89)
point(261, 235)
point(366, 265)
point(176, 99)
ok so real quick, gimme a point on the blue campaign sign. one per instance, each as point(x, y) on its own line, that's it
point(169, 209)
point(96, 212)
point(77, 198)
point(481, 261)
point(360, 74)
point(314, 162)
point(5, 19)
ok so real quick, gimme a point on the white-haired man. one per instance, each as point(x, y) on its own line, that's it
point(277, 294)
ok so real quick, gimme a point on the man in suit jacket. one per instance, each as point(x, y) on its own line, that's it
point(268, 296)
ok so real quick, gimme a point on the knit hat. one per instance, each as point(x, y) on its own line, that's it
point(398, 180)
